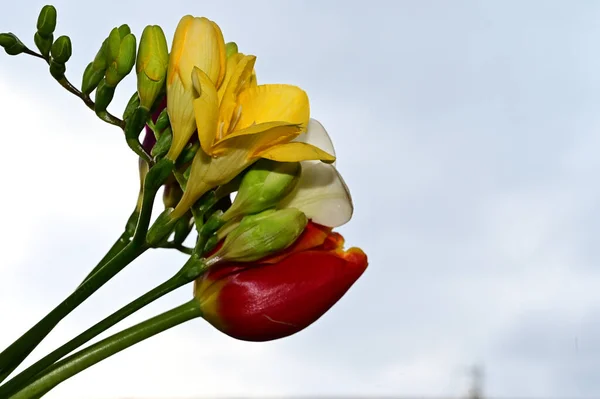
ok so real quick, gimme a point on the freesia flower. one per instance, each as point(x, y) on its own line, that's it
point(198, 43)
point(242, 124)
point(266, 301)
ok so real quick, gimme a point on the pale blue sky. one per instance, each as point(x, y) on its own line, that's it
point(468, 133)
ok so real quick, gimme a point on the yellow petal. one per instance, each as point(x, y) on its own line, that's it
point(206, 109)
point(181, 116)
point(266, 103)
point(196, 43)
point(222, 55)
point(209, 172)
point(257, 138)
point(232, 62)
point(295, 152)
point(239, 80)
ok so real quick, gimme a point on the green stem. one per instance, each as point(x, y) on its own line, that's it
point(190, 270)
point(108, 347)
point(121, 243)
point(12, 356)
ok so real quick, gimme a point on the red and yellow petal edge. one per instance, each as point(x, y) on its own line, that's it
point(266, 301)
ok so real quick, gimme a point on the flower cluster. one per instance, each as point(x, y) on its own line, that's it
point(240, 163)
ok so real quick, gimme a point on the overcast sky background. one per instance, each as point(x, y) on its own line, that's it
point(469, 135)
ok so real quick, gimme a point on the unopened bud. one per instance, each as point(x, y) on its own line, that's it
point(104, 95)
point(230, 49)
point(260, 235)
point(44, 44)
point(162, 228)
point(123, 63)
point(91, 78)
point(124, 30)
point(152, 63)
point(113, 44)
point(101, 59)
point(46, 22)
point(133, 103)
point(57, 70)
point(171, 195)
point(162, 122)
point(11, 43)
point(263, 186)
point(188, 153)
point(163, 144)
point(182, 230)
point(61, 49)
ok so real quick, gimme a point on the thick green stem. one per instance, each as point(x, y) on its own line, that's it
point(12, 356)
point(121, 243)
point(192, 268)
point(108, 347)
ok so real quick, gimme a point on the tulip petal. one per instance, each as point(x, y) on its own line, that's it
point(317, 136)
point(206, 109)
point(295, 152)
point(322, 195)
point(266, 103)
point(273, 301)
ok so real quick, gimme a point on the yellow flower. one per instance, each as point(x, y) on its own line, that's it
point(241, 122)
point(198, 43)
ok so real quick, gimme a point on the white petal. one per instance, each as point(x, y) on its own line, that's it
point(322, 195)
point(317, 136)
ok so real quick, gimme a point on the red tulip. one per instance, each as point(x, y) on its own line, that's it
point(266, 301)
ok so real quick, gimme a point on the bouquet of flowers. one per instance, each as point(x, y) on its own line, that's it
point(245, 174)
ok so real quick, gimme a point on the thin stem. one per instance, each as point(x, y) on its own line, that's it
point(180, 247)
point(12, 356)
point(192, 268)
point(33, 53)
point(64, 82)
point(108, 347)
point(139, 149)
point(120, 244)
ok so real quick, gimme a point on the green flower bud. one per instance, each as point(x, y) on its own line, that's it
point(162, 228)
point(123, 63)
point(261, 235)
point(124, 30)
point(152, 63)
point(182, 229)
point(57, 70)
point(91, 78)
point(61, 49)
point(104, 95)
point(163, 144)
point(11, 43)
point(171, 195)
point(113, 45)
point(231, 48)
point(263, 186)
point(136, 122)
point(188, 153)
point(133, 103)
point(46, 22)
point(101, 58)
point(162, 122)
point(44, 44)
